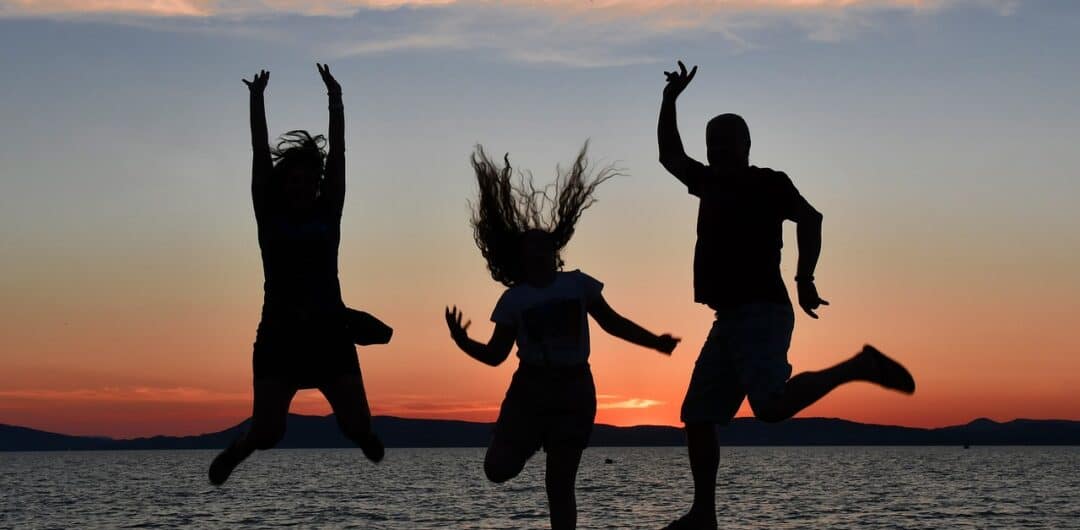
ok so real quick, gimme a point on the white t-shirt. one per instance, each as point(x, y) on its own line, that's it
point(552, 322)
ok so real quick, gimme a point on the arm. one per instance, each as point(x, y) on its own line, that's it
point(808, 234)
point(261, 165)
point(334, 185)
point(625, 329)
point(494, 352)
point(672, 155)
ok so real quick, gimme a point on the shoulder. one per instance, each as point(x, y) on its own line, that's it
point(769, 174)
point(583, 281)
point(509, 295)
point(772, 179)
point(506, 307)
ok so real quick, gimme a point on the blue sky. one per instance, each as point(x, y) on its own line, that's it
point(939, 139)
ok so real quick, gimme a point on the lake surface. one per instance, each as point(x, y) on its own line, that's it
point(759, 487)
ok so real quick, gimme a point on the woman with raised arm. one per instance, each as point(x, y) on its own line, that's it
point(303, 340)
point(551, 402)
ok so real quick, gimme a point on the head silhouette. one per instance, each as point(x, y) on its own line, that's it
point(538, 257)
point(727, 139)
point(521, 230)
point(298, 171)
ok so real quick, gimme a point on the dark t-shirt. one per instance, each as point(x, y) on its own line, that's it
point(737, 257)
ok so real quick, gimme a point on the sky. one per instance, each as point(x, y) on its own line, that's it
point(937, 137)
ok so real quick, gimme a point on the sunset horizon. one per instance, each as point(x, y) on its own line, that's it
point(528, 264)
point(937, 138)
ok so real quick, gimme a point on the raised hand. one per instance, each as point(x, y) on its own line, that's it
point(458, 331)
point(332, 86)
point(666, 343)
point(809, 300)
point(677, 81)
point(258, 83)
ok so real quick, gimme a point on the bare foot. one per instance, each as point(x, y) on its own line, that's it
point(882, 370)
point(225, 462)
point(373, 448)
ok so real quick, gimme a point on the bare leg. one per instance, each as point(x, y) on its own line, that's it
point(701, 444)
point(713, 397)
point(347, 397)
point(270, 410)
point(503, 461)
point(562, 466)
point(806, 388)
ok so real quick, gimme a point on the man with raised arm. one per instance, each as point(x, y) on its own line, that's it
point(737, 274)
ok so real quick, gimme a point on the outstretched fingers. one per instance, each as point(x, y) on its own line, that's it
point(677, 80)
point(258, 81)
point(681, 74)
point(453, 321)
point(463, 327)
point(450, 316)
point(328, 79)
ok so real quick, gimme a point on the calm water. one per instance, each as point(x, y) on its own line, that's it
point(775, 488)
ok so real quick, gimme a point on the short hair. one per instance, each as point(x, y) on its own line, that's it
point(729, 129)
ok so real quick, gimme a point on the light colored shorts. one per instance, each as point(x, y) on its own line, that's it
point(744, 356)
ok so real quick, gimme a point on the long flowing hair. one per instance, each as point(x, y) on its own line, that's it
point(508, 207)
point(300, 148)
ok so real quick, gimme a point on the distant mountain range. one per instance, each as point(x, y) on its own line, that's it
point(322, 431)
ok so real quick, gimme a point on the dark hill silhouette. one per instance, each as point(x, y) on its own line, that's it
point(322, 431)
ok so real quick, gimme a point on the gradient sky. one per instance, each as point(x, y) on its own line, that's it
point(939, 138)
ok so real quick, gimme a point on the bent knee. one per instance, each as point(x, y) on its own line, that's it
point(770, 417)
point(499, 471)
point(769, 412)
point(265, 437)
point(358, 434)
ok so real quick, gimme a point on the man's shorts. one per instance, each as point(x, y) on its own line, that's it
point(549, 407)
point(745, 355)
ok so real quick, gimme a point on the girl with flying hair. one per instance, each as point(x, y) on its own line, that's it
point(306, 334)
point(551, 402)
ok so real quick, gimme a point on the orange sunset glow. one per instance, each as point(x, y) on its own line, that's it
point(131, 281)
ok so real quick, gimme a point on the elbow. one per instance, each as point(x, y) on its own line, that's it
point(812, 219)
point(494, 359)
point(668, 162)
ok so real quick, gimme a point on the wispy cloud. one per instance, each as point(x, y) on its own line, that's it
point(426, 406)
point(156, 8)
point(630, 403)
point(126, 394)
point(673, 10)
point(569, 33)
point(185, 394)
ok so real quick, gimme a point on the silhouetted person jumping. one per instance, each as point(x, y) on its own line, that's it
point(551, 402)
point(303, 340)
point(737, 274)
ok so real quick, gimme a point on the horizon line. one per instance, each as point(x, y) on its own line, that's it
point(678, 427)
